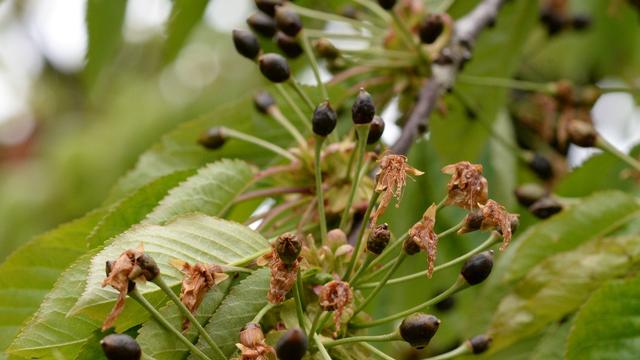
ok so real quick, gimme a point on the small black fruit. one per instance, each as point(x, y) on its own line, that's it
point(541, 166)
point(376, 129)
point(120, 347)
point(288, 21)
point(274, 67)
point(418, 329)
point(430, 28)
point(378, 239)
point(545, 207)
point(324, 119)
point(212, 139)
point(477, 268)
point(246, 43)
point(480, 343)
point(363, 109)
point(262, 24)
point(268, 6)
point(263, 101)
point(289, 45)
point(387, 4)
point(288, 247)
point(292, 345)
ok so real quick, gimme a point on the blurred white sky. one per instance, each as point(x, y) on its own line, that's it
point(56, 30)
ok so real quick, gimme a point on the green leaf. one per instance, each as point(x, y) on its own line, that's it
point(238, 308)
point(30, 272)
point(211, 191)
point(607, 325)
point(157, 343)
point(558, 286)
point(507, 39)
point(595, 216)
point(185, 15)
point(552, 343)
point(192, 238)
point(104, 29)
point(50, 331)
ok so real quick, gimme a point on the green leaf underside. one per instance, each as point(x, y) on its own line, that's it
point(237, 309)
point(552, 343)
point(211, 191)
point(158, 344)
point(30, 272)
point(608, 324)
point(594, 216)
point(192, 238)
point(558, 285)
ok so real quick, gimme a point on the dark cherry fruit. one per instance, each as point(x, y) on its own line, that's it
point(120, 347)
point(246, 43)
point(274, 67)
point(477, 268)
point(324, 119)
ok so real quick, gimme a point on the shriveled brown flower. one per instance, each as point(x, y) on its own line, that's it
point(283, 275)
point(198, 279)
point(423, 235)
point(467, 187)
point(492, 215)
point(335, 296)
point(120, 274)
point(252, 345)
point(391, 179)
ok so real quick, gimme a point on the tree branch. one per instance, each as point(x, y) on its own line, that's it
point(445, 69)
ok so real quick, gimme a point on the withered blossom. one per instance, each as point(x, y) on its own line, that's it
point(120, 275)
point(283, 275)
point(391, 179)
point(492, 215)
point(467, 187)
point(423, 235)
point(335, 296)
point(252, 345)
point(198, 279)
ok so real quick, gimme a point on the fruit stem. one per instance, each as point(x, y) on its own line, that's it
point(606, 146)
point(408, 39)
point(314, 33)
point(303, 95)
point(463, 349)
point(364, 266)
point(321, 349)
point(362, 130)
point(547, 88)
point(137, 296)
point(192, 319)
point(298, 296)
point(319, 194)
point(314, 65)
point(359, 241)
point(314, 324)
point(376, 9)
point(460, 284)
point(257, 141)
point(392, 336)
point(384, 254)
point(275, 113)
point(397, 54)
point(321, 15)
point(377, 352)
point(265, 309)
point(492, 240)
point(381, 284)
point(285, 94)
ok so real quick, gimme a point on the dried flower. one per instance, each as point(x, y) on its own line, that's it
point(252, 345)
point(198, 279)
point(132, 265)
point(467, 187)
point(391, 179)
point(423, 235)
point(492, 215)
point(283, 275)
point(335, 296)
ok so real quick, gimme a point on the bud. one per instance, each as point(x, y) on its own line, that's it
point(288, 247)
point(292, 345)
point(268, 6)
point(336, 238)
point(582, 134)
point(212, 139)
point(288, 21)
point(529, 193)
point(418, 329)
point(288, 45)
point(387, 4)
point(431, 28)
point(479, 344)
point(263, 101)
point(541, 166)
point(378, 239)
point(376, 128)
point(246, 43)
point(274, 67)
point(325, 49)
point(262, 24)
point(120, 347)
point(363, 109)
point(477, 268)
point(251, 335)
point(324, 119)
point(545, 207)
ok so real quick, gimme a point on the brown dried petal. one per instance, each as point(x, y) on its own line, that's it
point(335, 296)
point(252, 345)
point(467, 187)
point(118, 278)
point(283, 277)
point(495, 216)
point(198, 279)
point(424, 236)
point(391, 179)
